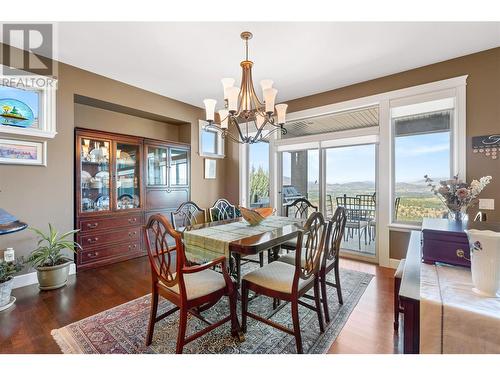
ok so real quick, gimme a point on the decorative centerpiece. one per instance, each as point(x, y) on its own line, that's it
point(7, 272)
point(256, 216)
point(485, 261)
point(458, 196)
point(52, 267)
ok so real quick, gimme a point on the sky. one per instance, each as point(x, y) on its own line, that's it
point(416, 156)
point(28, 97)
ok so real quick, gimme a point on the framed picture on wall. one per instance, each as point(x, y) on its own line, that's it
point(15, 151)
point(210, 169)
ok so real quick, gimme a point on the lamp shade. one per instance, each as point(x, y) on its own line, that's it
point(223, 114)
point(281, 112)
point(227, 83)
point(232, 98)
point(210, 109)
point(266, 84)
point(269, 98)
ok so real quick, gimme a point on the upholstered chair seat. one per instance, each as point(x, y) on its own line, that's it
point(290, 259)
point(277, 276)
point(199, 284)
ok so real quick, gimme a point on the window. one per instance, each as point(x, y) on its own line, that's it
point(422, 146)
point(211, 142)
point(258, 174)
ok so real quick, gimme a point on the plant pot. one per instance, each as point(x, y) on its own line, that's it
point(5, 291)
point(53, 277)
point(485, 261)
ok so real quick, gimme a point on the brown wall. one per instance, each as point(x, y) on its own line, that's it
point(39, 195)
point(101, 119)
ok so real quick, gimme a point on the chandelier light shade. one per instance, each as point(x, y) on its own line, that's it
point(253, 120)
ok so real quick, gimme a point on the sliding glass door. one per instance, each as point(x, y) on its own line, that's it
point(350, 182)
point(300, 177)
point(333, 176)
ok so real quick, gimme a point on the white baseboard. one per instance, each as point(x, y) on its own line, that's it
point(394, 263)
point(30, 278)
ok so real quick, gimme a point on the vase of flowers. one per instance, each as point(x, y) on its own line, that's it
point(458, 196)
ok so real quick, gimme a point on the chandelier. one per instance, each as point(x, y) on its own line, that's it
point(254, 120)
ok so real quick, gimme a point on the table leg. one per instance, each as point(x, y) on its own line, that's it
point(237, 261)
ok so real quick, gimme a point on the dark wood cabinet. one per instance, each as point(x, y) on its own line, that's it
point(120, 181)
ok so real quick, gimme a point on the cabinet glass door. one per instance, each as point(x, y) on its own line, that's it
point(178, 167)
point(94, 175)
point(157, 165)
point(127, 176)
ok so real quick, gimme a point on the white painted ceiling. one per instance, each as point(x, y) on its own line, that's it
point(186, 61)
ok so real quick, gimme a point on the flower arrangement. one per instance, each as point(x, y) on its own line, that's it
point(458, 195)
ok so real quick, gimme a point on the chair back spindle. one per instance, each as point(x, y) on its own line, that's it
point(222, 210)
point(188, 214)
point(310, 245)
point(166, 261)
point(335, 232)
point(299, 208)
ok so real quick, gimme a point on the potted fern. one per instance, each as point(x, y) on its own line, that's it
point(51, 265)
point(7, 272)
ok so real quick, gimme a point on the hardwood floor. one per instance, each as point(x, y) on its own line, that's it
point(26, 327)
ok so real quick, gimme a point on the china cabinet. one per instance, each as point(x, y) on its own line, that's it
point(120, 181)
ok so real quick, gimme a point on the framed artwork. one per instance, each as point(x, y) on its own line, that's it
point(210, 169)
point(28, 105)
point(14, 151)
point(211, 143)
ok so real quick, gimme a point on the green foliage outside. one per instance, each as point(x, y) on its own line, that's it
point(259, 184)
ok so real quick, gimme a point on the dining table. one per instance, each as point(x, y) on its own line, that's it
point(236, 239)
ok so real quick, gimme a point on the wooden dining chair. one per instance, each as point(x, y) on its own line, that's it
point(222, 210)
point(286, 282)
point(298, 209)
point(191, 289)
point(330, 260)
point(188, 214)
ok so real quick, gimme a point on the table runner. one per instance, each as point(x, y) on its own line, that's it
point(211, 242)
point(454, 319)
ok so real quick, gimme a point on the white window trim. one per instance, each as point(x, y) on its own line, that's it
point(384, 168)
point(220, 143)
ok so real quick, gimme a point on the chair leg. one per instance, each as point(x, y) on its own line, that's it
point(317, 300)
point(182, 330)
point(296, 325)
point(261, 259)
point(337, 282)
point(324, 297)
point(152, 316)
point(244, 306)
point(232, 312)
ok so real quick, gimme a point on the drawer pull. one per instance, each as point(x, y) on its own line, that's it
point(93, 240)
point(130, 247)
point(93, 255)
point(131, 234)
point(132, 220)
point(92, 225)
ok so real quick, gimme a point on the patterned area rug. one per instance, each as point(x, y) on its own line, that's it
point(122, 329)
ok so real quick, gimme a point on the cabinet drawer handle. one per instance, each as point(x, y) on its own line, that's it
point(92, 225)
point(130, 247)
point(131, 234)
point(93, 255)
point(132, 220)
point(93, 240)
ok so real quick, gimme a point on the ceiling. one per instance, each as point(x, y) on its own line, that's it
point(355, 119)
point(186, 61)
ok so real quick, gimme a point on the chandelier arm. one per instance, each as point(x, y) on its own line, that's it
point(227, 134)
point(235, 123)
